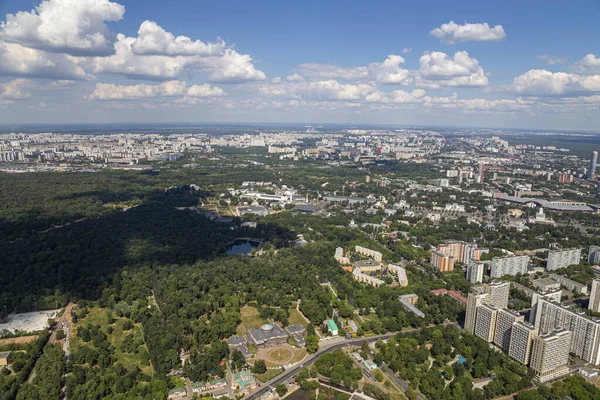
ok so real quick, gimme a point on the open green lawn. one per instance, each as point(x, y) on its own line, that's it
point(270, 374)
point(296, 319)
point(251, 318)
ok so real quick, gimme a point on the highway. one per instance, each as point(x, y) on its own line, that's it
point(326, 347)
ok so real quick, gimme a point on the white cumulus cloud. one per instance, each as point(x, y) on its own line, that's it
point(154, 40)
point(390, 71)
point(453, 32)
point(539, 82)
point(75, 27)
point(438, 69)
point(17, 60)
point(588, 65)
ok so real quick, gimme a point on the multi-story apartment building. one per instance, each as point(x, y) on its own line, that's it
point(441, 261)
point(475, 299)
point(499, 292)
point(475, 271)
point(594, 303)
point(570, 284)
point(594, 255)
point(585, 338)
point(550, 355)
point(452, 252)
point(558, 259)
point(400, 274)
point(509, 265)
point(505, 319)
point(339, 256)
point(485, 322)
point(550, 295)
point(521, 340)
point(377, 256)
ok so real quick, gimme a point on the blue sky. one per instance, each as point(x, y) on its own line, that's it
point(534, 64)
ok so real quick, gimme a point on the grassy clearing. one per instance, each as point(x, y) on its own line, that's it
point(299, 355)
point(251, 318)
point(296, 319)
point(270, 374)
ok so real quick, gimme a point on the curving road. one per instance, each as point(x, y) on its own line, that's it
point(326, 347)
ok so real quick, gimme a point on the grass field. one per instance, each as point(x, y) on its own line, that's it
point(296, 319)
point(98, 316)
point(18, 340)
point(251, 318)
point(270, 374)
point(280, 355)
point(299, 355)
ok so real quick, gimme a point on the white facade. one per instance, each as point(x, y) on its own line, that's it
point(558, 259)
point(585, 341)
point(521, 340)
point(510, 265)
point(550, 355)
point(475, 272)
point(594, 303)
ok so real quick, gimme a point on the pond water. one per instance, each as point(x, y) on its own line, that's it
point(242, 246)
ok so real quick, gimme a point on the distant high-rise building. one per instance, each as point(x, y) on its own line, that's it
point(498, 293)
point(505, 319)
point(509, 265)
point(594, 303)
point(521, 339)
point(485, 322)
point(475, 271)
point(593, 163)
point(446, 254)
point(475, 299)
point(594, 255)
point(550, 355)
point(481, 173)
point(558, 259)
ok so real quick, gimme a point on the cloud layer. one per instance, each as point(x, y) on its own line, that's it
point(454, 33)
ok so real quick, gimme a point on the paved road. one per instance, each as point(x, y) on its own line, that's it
point(326, 347)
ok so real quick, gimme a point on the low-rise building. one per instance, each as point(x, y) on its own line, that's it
point(545, 284)
point(332, 327)
point(243, 382)
point(570, 284)
point(409, 301)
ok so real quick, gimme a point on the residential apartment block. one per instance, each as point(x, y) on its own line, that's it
point(558, 259)
point(509, 265)
point(550, 355)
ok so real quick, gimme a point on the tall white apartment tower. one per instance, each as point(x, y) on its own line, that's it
point(498, 291)
point(485, 323)
point(550, 355)
point(593, 163)
point(505, 320)
point(521, 340)
point(594, 304)
point(475, 300)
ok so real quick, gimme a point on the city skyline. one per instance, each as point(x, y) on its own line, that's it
point(385, 63)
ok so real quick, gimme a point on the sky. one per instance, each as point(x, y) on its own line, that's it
point(505, 64)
